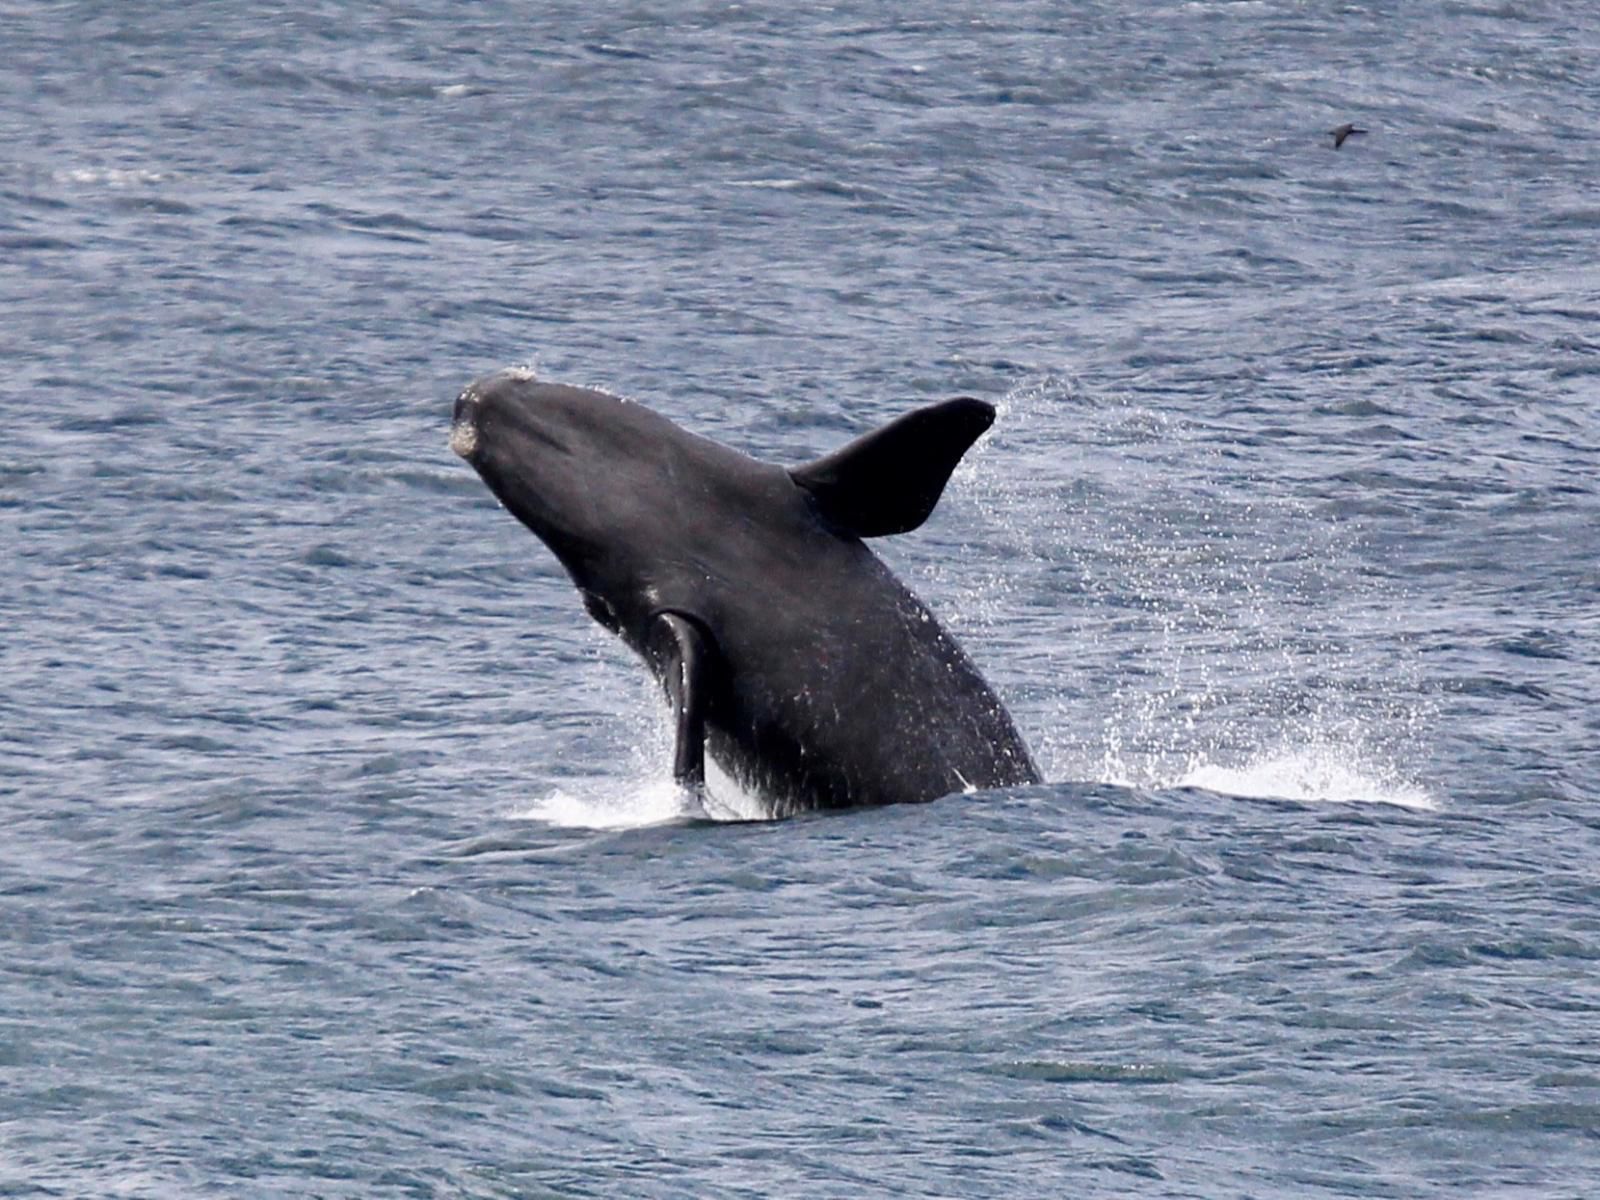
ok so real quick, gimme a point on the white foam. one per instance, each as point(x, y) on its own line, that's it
point(603, 804)
point(1322, 772)
point(611, 803)
point(1313, 776)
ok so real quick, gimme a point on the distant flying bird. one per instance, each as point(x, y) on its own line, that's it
point(1342, 132)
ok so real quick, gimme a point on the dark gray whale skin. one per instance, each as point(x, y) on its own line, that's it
point(788, 651)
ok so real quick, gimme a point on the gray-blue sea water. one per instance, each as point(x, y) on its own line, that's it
point(340, 856)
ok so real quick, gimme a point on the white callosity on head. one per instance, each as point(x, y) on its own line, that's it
point(464, 434)
point(464, 430)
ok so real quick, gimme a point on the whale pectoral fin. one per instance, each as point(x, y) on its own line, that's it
point(680, 653)
point(888, 481)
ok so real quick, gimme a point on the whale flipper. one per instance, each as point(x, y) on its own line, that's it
point(681, 656)
point(888, 481)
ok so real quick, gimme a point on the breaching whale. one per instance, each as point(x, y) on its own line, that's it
point(788, 651)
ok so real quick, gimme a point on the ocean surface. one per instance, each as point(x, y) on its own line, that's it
point(341, 855)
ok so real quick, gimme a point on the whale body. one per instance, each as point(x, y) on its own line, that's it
point(789, 653)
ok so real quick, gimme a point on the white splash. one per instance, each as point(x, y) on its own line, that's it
point(1217, 638)
point(611, 803)
point(602, 804)
point(1317, 772)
